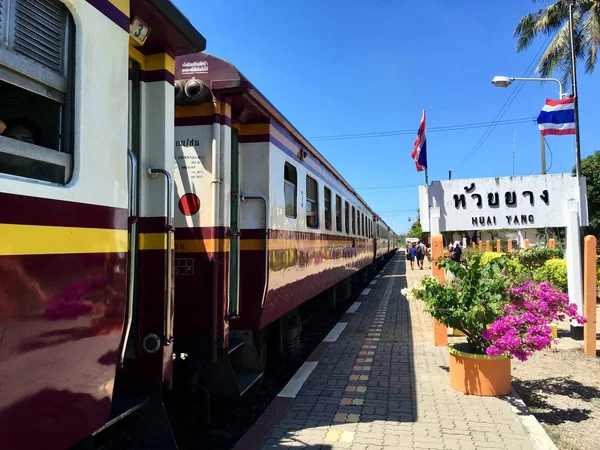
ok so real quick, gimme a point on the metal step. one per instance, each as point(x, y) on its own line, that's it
point(234, 344)
point(246, 379)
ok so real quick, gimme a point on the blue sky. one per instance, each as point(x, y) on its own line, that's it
point(345, 67)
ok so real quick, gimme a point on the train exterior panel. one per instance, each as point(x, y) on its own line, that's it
point(272, 223)
point(63, 247)
point(83, 277)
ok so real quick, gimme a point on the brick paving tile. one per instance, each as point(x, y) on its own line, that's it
point(384, 385)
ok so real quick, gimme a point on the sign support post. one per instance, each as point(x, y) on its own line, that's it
point(574, 263)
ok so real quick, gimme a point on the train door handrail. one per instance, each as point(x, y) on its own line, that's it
point(264, 199)
point(153, 172)
point(133, 213)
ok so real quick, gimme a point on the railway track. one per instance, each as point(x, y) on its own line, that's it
point(231, 419)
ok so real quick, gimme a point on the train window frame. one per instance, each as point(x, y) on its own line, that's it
point(313, 201)
point(327, 208)
point(353, 220)
point(338, 213)
point(47, 77)
point(347, 216)
point(360, 228)
point(289, 170)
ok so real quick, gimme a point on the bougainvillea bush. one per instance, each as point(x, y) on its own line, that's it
point(498, 315)
point(525, 325)
point(473, 300)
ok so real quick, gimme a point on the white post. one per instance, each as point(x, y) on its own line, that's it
point(434, 217)
point(573, 256)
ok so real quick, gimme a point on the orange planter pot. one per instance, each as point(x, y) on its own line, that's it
point(479, 374)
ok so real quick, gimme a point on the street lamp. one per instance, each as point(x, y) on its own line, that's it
point(500, 81)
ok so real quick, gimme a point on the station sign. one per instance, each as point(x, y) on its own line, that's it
point(534, 201)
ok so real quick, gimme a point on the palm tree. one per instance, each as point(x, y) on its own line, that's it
point(553, 20)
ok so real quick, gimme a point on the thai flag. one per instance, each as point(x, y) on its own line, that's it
point(419, 153)
point(557, 117)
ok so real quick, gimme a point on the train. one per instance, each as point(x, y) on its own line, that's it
point(162, 222)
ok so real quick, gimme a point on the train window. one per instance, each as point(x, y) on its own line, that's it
point(290, 182)
point(360, 224)
point(338, 213)
point(347, 217)
point(353, 220)
point(364, 228)
point(327, 208)
point(289, 189)
point(37, 65)
point(312, 203)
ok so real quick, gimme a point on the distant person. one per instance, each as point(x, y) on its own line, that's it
point(456, 252)
point(412, 251)
point(420, 254)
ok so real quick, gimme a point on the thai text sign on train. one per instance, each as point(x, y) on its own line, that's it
point(535, 201)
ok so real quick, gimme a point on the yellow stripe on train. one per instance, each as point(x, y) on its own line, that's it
point(49, 240)
point(223, 245)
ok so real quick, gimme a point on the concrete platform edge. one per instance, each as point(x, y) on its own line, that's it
point(534, 429)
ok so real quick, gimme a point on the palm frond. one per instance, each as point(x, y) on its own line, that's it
point(591, 37)
point(556, 53)
point(544, 21)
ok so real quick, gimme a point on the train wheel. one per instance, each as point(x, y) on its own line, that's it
point(292, 333)
point(332, 296)
point(260, 342)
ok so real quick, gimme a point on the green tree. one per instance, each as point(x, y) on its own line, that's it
point(553, 20)
point(416, 231)
point(590, 169)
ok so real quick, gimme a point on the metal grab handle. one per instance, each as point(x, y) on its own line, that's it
point(133, 212)
point(244, 199)
point(152, 171)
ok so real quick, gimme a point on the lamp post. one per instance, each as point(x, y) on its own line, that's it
point(574, 89)
point(501, 81)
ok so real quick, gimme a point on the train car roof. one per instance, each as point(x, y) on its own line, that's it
point(170, 29)
point(225, 79)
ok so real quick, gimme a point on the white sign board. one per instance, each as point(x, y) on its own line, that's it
point(535, 201)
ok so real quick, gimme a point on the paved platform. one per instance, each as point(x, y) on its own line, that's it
point(378, 382)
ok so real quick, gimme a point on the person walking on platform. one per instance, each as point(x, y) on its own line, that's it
point(411, 256)
point(420, 253)
point(456, 252)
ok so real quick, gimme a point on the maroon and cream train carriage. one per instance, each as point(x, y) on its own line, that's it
point(78, 280)
point(264, 223)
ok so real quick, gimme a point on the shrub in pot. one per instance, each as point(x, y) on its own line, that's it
point(499, 321)
point(471, 302)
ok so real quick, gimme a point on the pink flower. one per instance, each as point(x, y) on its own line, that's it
point(525, 327)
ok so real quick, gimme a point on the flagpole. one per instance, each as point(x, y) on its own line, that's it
point(575, 95)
